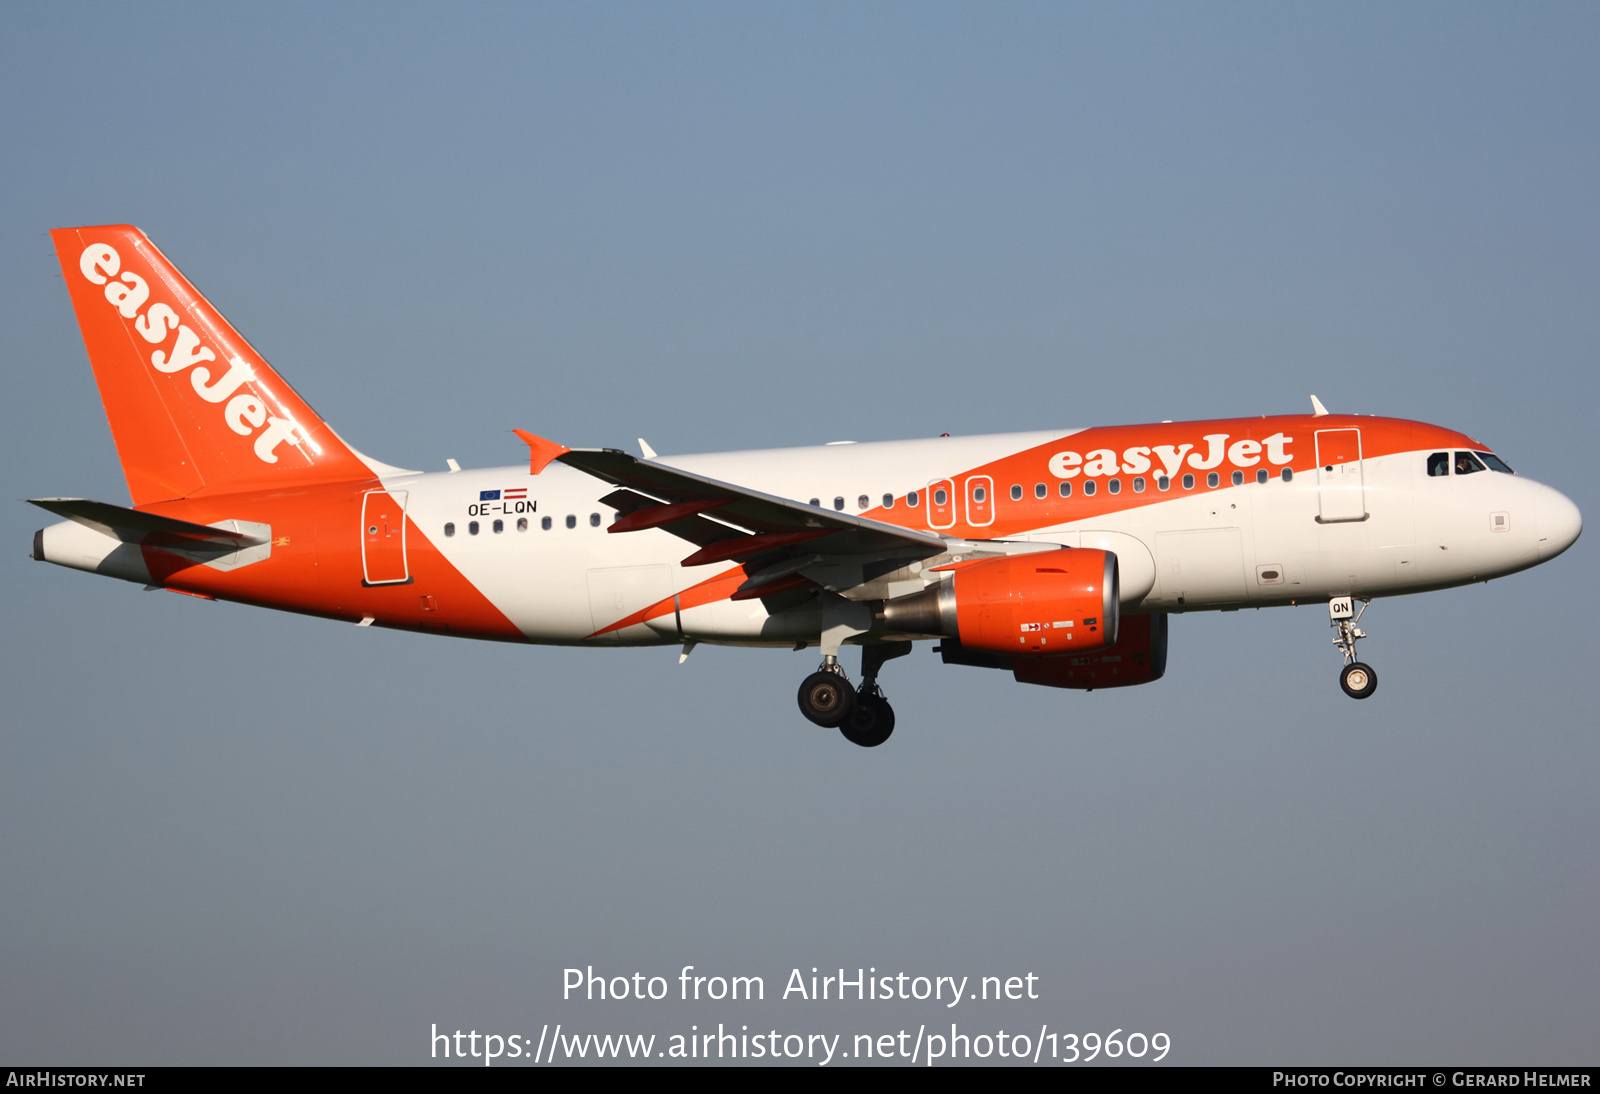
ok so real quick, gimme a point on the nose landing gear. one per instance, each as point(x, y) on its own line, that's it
point(1357, 679)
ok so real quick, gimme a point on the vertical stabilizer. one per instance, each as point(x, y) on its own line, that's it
point(193, 408)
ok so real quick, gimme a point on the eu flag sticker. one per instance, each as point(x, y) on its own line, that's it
point(488, 495)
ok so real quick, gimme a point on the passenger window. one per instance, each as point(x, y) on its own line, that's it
point(1115, 486)
point(1495, 463)
point(545, 524)
point(941, 498)
point(522, 524)
point(1016, 492)
point(815, 501)
point(1065, 489)
point(911, 500)
point(1212, 479)
point(1238, 478)
point(1261, 474)
point(1288, 474)
point(499, 526)
point(888, 501)
point(1088, 487)
point(1138, 485)
point(1468, 464)
point(1162, 482)
point(838, 504)
point(863, 502)
point(472, 527)
point(594, 520)
point(449, 529)
point(979, 493)
point(1040, 490)
point(1188, 482)
point(572, 521)
point(1438, 465)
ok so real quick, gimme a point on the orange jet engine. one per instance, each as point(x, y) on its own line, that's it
point(1044, 603)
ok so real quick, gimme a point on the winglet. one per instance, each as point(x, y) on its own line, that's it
point(540, 451)
point(1317, 409)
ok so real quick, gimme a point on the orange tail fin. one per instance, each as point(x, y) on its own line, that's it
point(193, 408)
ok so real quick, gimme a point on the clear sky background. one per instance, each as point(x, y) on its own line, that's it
point(232, 836)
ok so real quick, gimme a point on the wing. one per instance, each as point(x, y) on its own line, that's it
point(775, 538)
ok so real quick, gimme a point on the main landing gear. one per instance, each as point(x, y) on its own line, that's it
point(826, 696)
point(862, 714)
point(1357, 679)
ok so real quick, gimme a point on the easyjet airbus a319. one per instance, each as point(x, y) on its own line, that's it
point(1056, 555)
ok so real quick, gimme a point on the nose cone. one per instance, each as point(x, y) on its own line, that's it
point(1560, 523)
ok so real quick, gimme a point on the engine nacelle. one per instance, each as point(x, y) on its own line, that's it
point(1047, 602)
point(1138, 657)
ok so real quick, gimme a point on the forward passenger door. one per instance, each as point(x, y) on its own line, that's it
point(1341, 492)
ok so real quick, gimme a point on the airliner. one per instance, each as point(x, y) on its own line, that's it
point(1055, 555)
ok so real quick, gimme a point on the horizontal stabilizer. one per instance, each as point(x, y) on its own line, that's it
point(132, 526)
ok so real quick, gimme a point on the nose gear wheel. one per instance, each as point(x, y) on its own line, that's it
point(1358, 680)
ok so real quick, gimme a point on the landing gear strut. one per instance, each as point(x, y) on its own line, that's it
point(871, 721)
point(1357, 679)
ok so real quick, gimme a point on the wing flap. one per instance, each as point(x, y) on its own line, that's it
point(696, 529)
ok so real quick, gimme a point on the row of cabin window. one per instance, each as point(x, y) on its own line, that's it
point(1041, 491)
point(522, 524)
point(941, 497)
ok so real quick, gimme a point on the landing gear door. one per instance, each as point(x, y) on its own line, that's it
point(383, 538)
point(1341, 495)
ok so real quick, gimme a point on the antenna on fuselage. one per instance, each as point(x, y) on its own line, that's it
point(1317, 409)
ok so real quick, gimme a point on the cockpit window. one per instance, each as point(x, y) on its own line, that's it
point(1467, 463)
point(1495, 463)
point(1438, 465)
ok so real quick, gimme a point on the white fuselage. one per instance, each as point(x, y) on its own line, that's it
point(1225, 548)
